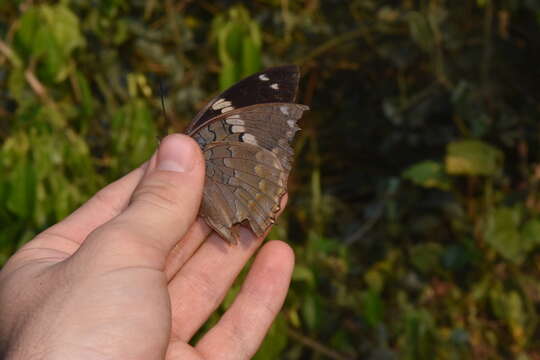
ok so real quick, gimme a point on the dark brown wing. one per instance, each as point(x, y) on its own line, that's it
point(278, 84)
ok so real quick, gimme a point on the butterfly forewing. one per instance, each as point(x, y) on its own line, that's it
point(278, 84)
point(247, 150)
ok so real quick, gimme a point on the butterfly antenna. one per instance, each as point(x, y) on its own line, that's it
point(161, 94)
point(162, 100)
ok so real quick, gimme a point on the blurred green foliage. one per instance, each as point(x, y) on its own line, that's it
point(414, 205)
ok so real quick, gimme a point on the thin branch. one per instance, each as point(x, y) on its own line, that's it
point(329, 45)
point(317, 346)
point(378, 213)
point(367, 226)
point(173, 24)
point(488, 45)
point(37, 87)
point(9, 54)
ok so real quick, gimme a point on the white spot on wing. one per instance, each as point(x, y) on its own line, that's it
point(249, 139)
point(235, 120)
point(275, 86)
point(284, 110)
point(228, 108)
point(220, 104)
point(263, 77)
point(238, 129)
point(291, 123)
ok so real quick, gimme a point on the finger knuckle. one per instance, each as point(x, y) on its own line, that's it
point(121, 237)
point(108, 200)
point(159, 194)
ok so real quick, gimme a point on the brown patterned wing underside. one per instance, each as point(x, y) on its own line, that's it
point(243, 182)
point(245, 135)
point(248, 159)
point(271, 126)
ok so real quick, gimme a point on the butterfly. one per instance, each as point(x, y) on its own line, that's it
point(245, 135)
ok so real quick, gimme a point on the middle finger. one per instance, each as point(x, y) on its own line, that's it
point(201, 284)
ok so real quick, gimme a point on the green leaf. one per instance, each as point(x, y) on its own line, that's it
point(426, 257)
point(372, 307)
point(509, 308)
point(517, 317)
point(235, 36)
point(64, 26)
point(50, 33)
point(508, 237)
point(473, 157)
point(228, 75)
point(275, 341)
point(531, 234)
point(26, 35)
point(429, 174)
point(251, 57)
point(309, 311)
point(375, 279)
point(502, 233)
point(87, 100)
point(420, 30)
point(238, 45)
point(304, 273)
point(134, 134)
point(22, 194)
point(251, 50)
point(17, 86)
point(420, 340)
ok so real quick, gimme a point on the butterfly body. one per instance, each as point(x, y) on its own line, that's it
point(245, 136)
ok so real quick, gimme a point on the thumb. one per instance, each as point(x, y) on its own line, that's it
point(162, 207)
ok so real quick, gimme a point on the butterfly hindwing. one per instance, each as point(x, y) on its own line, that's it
point(243, 182)
point(271, 126)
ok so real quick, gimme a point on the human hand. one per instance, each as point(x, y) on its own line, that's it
point(129, 275)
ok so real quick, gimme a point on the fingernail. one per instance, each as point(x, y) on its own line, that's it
point(175, 154)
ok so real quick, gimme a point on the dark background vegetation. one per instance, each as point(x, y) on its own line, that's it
point(414, 204)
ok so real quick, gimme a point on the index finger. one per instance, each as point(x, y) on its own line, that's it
point(69, 233)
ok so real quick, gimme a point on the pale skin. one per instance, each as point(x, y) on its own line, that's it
point(133, 274)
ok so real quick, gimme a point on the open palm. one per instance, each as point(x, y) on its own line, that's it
point(129, 275)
